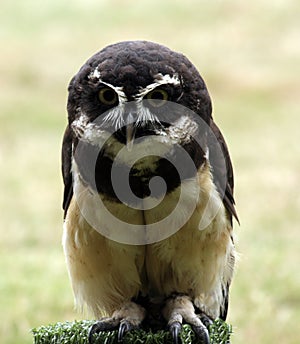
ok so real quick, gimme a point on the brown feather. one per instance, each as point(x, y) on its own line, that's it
point(222, 172)
point(66, 156)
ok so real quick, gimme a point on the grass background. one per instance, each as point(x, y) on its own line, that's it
point(249, 55)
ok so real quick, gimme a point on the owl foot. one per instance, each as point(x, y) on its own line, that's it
point(126, 318)
point(180, 308)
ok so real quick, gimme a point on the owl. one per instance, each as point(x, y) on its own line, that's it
point(148, 193)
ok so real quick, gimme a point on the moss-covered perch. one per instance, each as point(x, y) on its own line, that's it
point(77, 333)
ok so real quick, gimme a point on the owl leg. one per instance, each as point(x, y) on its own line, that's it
point(180, 308)
point(128, 317)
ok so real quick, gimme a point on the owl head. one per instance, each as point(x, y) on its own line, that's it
point(129, 72)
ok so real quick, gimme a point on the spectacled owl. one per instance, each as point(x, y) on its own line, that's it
point(148, 193)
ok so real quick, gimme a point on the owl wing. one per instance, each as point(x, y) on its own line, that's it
point(66, 156)
point(220, 172)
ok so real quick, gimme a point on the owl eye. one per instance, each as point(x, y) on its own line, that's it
point(107, 96)
point(157, 97)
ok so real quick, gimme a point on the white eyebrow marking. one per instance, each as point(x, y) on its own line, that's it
point(95, 74)
point(119, 90)
point(160, 79)
point(167, 79)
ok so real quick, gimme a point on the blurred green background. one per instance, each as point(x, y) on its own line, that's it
point(249, 55)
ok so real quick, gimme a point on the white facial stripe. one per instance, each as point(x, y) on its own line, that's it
point(145, 115)
point(79, 125)
point(185, 124)
point(118, 90)
point(93, 134)
point(88, 131)
point(158, 81)
point(114, 117)
point(95, 74)
point(181, 131)
point(167, 79)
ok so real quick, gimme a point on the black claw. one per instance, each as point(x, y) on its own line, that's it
point(102, 325)
point(175, 329)
point(122, 331)
point(202, 334)
point(125, 326)
point(206, 320)
point(93, 330)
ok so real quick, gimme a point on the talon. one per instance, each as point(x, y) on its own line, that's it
point(175, 329)
point(128, 317)
point(106, 324)
point(125, 326)
point(206, 320)
point(202, 333)
point(121, 332)
point(181, 308)
point(93, 329)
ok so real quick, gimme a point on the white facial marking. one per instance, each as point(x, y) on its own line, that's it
point(88, 131)
point(79, 125)
point(180, 131)
point(119, 90)
point(115, 117)
point(158, 81)
point(95, 132)
point(145, 115)
point(92, 132)
point(95, 74)
point(167, 79)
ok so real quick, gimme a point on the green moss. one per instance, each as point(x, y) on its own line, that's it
point(77, 333)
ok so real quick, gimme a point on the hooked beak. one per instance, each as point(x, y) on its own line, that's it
point(130, 132)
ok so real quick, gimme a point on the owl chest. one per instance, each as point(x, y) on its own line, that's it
point(191, 261)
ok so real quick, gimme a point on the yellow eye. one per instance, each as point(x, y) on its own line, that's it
point(108, 96)
point(157, 97)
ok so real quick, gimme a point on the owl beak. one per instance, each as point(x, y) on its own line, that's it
point(130, 131)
